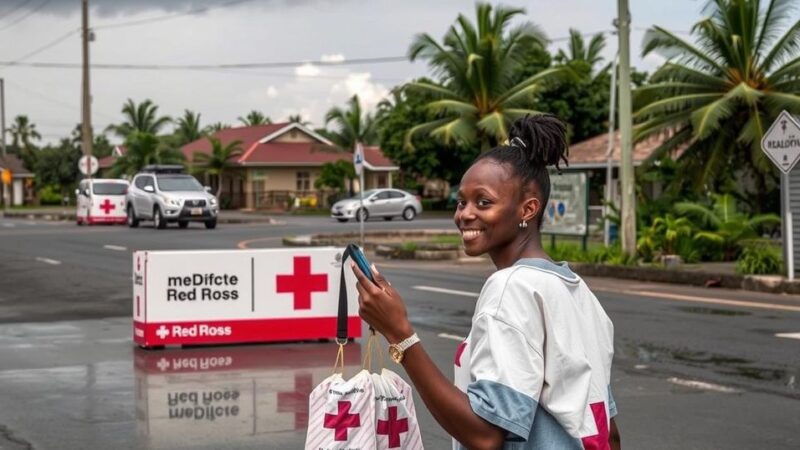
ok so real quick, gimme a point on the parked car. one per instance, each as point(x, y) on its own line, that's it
point(386, 203)
point(164, 194)
point(101, 200)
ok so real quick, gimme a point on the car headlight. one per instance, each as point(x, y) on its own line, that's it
point(212, 201)
point(171, 201)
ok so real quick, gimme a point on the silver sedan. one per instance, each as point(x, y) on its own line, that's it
point(386, 203)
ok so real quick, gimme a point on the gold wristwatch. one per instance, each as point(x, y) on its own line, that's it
point(396, 350)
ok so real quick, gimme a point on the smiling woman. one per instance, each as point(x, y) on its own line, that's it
point(535, 369)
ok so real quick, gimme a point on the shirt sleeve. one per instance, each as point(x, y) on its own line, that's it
point(507, 373)
point(612, 405)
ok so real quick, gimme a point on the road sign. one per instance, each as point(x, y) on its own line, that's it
point(225, 297)
point(88, 165)
point(781, 143)
point(358, 159)
point(6, 177)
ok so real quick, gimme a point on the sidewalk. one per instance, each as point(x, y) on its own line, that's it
point(67, 213)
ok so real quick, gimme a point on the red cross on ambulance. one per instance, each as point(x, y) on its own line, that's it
point(107, 206)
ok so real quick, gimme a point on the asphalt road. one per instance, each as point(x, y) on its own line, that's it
point(693, 369)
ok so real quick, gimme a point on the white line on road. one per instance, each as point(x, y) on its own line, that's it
point(48, 261)
point(717, 301)
point(703, 385)
point(788, 335)
point(447, 291)
point(8, 225)
point(451, 336)
point(118, 248)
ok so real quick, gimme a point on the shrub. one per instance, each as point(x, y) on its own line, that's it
point(50, 195)
point(759, 258)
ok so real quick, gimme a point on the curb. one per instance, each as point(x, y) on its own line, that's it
point(70, 217)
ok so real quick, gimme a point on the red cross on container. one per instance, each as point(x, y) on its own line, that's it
point(297, 401)
point(341, 421)
point(302, 283)
point(393, 427)
point(107, 206)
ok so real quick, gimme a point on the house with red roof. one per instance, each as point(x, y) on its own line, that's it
point(105, 163)
point(280, 162)
point(20, 191)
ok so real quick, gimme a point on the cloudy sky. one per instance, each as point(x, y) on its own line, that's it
point(192, 32)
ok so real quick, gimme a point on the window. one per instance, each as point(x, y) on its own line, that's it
point(385, 195)
point(179, 183)
point(396, 194)
point(109, 188)
point(303, 181)
point(143, 181)
point(381, 180)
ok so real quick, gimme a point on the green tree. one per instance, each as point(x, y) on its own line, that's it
point(219, 160)
point(143, 149)
point(716, 97)
point(58, 166)
point(254, 118)
point(477, 97)
point(577, 50)
point(297, 118)
point(215, 127)
point(141, 118)
point(350, 125)
point(333, 175)
point(187, 128)
point(101, 146)
point(23, 133)
point(425, 158)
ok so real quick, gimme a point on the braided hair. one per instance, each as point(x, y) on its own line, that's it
point(535, 142)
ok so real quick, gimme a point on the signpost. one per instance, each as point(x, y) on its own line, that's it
point(781, 143)
point(358, 164)
point(567, 212)
point(236, 296)
point(88, 165)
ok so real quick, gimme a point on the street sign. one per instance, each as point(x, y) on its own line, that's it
point(6, 177)
point(358, 159)
point(781, 142)
point(567, 210)
point(88, 165)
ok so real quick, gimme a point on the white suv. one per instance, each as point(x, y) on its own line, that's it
point(163, 194)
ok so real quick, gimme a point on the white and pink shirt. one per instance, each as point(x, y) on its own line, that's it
point(537, 361)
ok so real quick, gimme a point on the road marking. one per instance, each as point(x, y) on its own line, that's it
point(246, 244)
point(447, 291)
point(703, 385)
point(118, 248)
point(716, 301)
point(48, 261)
point(8, 225)
point(451, 336)
point(788, 335)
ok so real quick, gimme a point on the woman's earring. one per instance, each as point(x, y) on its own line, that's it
point(523, 224)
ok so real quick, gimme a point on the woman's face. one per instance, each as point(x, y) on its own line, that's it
point(488, 212)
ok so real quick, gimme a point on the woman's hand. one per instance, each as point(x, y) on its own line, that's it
point(381, 306)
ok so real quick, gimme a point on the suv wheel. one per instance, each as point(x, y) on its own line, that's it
point(409, 213)
point(158, 219)
point(211, 224)
point(133, 221)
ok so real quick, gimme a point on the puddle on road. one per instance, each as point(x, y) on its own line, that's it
point(731, 366)
point(712, 311)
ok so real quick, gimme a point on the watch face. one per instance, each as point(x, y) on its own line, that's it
point(395, 354)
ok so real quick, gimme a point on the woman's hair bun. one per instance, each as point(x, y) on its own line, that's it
point(542, 138)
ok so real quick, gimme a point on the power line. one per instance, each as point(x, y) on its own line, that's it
point(47, 46)
point(25, 16)
point(16, 8)
point(54, 101)
point(168, 16)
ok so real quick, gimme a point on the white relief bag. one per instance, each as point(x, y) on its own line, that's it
point(396, 425)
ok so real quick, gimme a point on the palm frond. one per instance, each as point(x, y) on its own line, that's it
point(672, 46)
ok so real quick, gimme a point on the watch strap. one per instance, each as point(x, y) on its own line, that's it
point(408, 342)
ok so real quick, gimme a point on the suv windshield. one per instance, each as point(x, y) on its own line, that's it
point(109, 188)
point(178, 183)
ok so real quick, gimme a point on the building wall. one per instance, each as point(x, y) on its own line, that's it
point(294, 136)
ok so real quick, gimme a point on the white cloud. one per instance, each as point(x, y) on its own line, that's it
point(272, 92)
point(360, 83)
point(333, 57)
point(306, 70)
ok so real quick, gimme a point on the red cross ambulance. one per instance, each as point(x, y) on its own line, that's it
point(101, 200)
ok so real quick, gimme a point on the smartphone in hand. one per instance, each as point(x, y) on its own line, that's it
point(361, 261)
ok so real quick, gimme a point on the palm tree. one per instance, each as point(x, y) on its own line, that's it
point(477, 98)
point(142, 118)
point(188, 128)
point(717, 96)
point(297, 118)
point(254, 118)
point(351, 125)
point(143, 149)
point(218, 161)
point(214, 127)
point(578, 51)
point(23, 133)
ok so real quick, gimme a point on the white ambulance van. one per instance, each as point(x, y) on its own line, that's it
point(101, 200)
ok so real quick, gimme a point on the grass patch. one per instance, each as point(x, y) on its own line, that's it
point(447, 239)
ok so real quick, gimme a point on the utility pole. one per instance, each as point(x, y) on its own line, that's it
point(86, 102)
point(628, 228)
point(3, 117)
